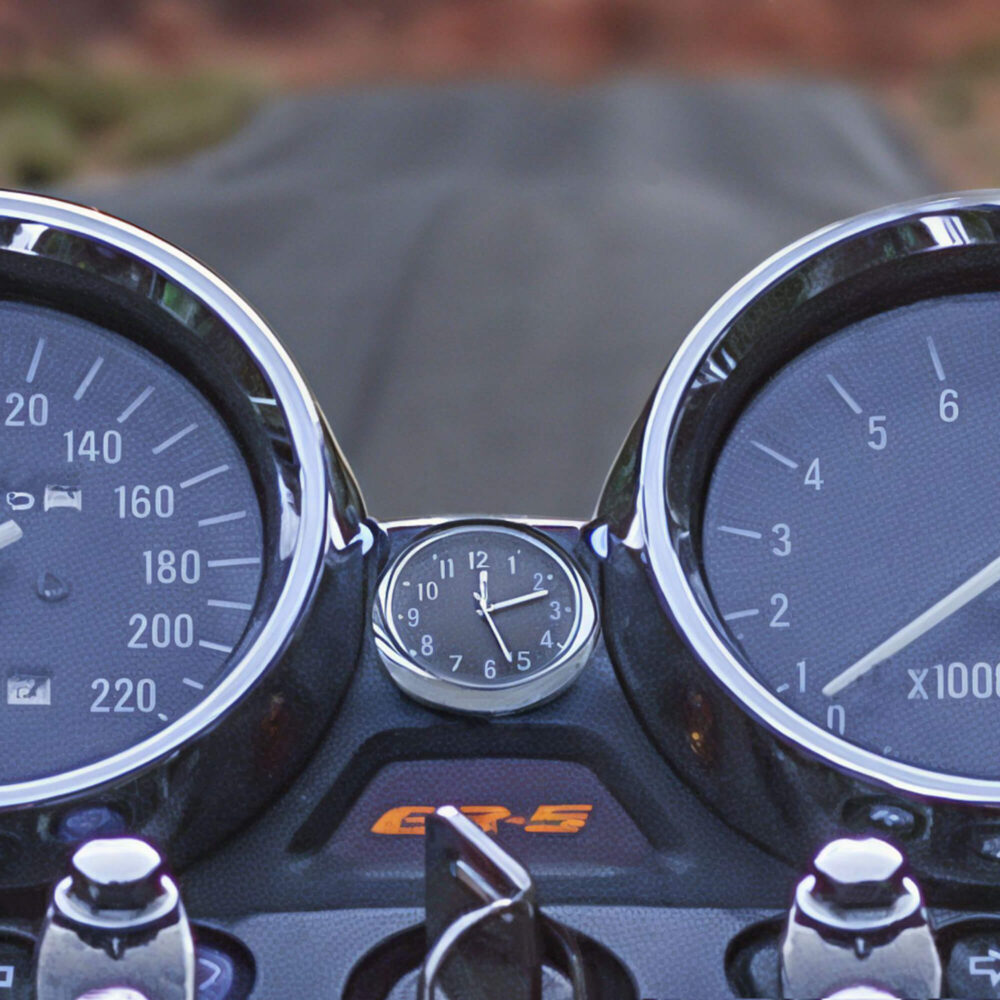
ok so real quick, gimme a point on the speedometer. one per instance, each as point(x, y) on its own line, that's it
point(173, 515)
point(131, 543)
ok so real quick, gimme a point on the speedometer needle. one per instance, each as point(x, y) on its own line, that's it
point(934, 615)
point(481, 599)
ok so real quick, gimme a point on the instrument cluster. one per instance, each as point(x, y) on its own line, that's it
point(780, 626)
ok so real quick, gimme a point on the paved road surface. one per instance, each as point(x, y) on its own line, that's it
point(482, 284)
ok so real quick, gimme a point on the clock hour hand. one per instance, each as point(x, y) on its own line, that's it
point(514, 601)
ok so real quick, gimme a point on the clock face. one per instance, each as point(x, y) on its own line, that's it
point(486, 606)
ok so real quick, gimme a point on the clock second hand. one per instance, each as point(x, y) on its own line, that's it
point(481, 599)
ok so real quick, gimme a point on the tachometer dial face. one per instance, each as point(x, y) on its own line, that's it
point(131, 543)
point(850, 535)
point(484, 607)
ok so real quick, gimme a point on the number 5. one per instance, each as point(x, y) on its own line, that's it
point(878, 437)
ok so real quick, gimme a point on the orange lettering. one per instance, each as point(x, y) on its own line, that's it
point(559, 819)
point(403, 820)
point(487, 818)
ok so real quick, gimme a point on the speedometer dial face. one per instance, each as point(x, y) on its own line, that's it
point(851, 535)
point(131, 544)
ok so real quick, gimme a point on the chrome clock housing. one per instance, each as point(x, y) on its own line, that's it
point(508, 694)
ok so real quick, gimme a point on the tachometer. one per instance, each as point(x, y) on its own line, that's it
point(849, 534)
point(811, 498)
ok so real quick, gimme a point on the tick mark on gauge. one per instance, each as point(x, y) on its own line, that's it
point(781, 688)
point(10, 532)
point(192, 683)
point(223, 563)
point(174, 438)
point(844, 394)
point(35, 358)
point(217, 646)
point(737, 615)
point(776, 455)
point(231, 605)
point(935, 360)
point(237, 515)
point(135, 404)
point(202, 476)
point(162, 716)
point(742, 532)
point(87, 379)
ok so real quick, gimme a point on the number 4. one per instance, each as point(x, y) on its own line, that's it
point(813, 478)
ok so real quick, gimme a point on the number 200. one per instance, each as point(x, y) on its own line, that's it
point(162, 631)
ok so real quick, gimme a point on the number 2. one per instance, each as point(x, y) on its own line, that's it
point(779, 601)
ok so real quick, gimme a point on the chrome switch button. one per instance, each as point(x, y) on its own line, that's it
point(116, 923)
point(117, 874)
point(858, 918)
point(862, 874)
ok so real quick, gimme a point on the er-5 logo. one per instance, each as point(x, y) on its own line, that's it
point(410, 820)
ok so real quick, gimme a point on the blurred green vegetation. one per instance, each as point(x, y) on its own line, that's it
point(57, 122)
point(955, 87)
point(956, 115)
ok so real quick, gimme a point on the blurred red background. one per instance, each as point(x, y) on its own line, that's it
point(309, 41)
point(933, 63)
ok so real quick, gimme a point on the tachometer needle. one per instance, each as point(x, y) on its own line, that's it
point(934, 615)
point(10, 532)
point(514, 601)
point(481, 599)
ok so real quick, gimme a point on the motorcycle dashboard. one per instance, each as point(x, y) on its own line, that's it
point(776, 629)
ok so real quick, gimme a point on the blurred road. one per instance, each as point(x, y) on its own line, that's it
point(482, 284)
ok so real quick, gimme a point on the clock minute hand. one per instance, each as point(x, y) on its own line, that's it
point(514, 601)
point(480, 599)
point(934, 615)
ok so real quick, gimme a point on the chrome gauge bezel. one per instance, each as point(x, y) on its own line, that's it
point(126, 257)
point(708, 357)
point(501, 699)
